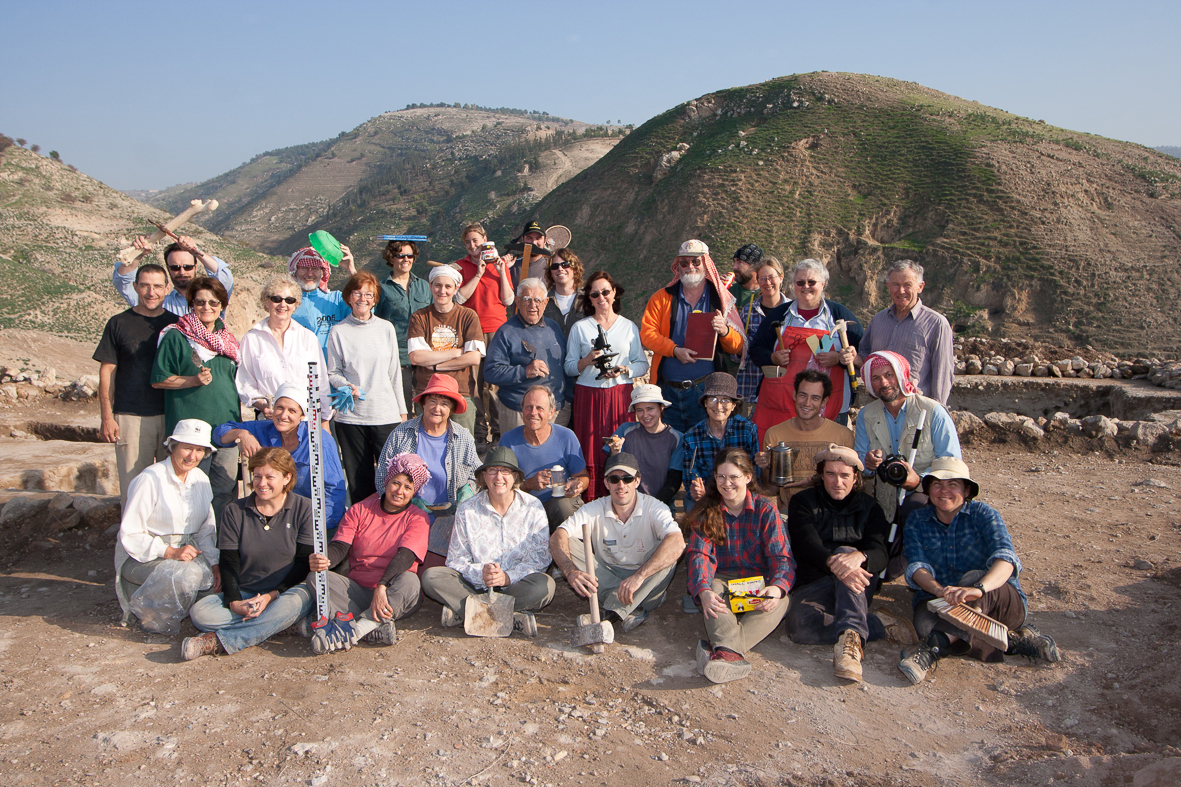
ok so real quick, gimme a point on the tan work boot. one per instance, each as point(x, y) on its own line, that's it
point(206, 644)
point(846, 657)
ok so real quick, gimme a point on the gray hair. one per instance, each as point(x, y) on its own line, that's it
point(553, 402)
point(532, 283)
point(900, 266)
point(280, 285)
point(816, 266)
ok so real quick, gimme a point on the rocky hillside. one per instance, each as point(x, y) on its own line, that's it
point(1027, 230)
point(59, 231)
point(425, 170)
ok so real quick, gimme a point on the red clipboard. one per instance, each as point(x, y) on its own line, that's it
point(700, 335)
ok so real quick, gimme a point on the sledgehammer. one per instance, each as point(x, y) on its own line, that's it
point(597, 633)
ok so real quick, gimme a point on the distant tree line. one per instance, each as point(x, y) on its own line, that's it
point(531, 113)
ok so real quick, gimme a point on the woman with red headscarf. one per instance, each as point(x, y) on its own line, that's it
point(384, 538)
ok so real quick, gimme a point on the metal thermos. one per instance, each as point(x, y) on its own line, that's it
point(781, 461)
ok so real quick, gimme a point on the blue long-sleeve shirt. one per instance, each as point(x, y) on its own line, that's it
point(941, 430)
point(318, 311)
point(507, 358)
point(334, 486)
point(976, 538)
point(174, 301)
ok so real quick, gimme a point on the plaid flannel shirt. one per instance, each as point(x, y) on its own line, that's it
point(755, 544)
point(750, 376)
point(700, 447)
point(976, 538)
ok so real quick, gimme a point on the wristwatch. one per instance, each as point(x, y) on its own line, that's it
point(980, 586)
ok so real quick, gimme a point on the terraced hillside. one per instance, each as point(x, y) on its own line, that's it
point(426, 170)
point(1027, 230)
point(59, 231)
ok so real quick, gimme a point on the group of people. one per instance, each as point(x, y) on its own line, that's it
point(479, 451)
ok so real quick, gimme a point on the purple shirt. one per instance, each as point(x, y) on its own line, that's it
point(924, 339)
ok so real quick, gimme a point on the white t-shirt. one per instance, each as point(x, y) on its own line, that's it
point(627, 544)
point(564, 302)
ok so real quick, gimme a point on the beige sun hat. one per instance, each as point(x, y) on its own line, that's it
point(946, 468)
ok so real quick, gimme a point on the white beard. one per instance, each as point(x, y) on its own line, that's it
point(307, 286)
point(692, 279)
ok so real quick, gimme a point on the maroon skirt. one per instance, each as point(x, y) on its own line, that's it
point(598, 412)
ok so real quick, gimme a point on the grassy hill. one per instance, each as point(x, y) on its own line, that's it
point(1026, 230)
point(59, 231)
point(423, 170)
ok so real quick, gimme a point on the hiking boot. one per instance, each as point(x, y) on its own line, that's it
point(203, 645)
point(450, 619)
point(846, 657)
point(726, 665)
point(557, 574)
point(525, 623)
point(300, 628)
point(899, 630)
point(916, 661)
point(704, 651)
point(384, 634)
point(634, 620)
point(1027, 641)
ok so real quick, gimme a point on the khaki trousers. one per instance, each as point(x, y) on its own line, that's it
point(141, 443)
point(743, 631)
point(648, 596)
point(447, 586)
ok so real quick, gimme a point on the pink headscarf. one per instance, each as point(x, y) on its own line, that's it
point(308, 258)
point(729, 303)
point(900, 365)
point(412, 466)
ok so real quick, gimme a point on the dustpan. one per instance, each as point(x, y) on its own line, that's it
point(488, 615)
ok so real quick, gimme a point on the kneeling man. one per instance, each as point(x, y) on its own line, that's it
point(635, 544)
point(959, 550)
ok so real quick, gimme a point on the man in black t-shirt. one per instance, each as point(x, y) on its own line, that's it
point(132, 410)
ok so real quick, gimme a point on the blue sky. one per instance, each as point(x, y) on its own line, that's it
point(150, 94)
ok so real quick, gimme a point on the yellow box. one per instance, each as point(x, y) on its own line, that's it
point(742, 591)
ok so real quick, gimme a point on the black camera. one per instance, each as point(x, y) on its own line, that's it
point(894, 470)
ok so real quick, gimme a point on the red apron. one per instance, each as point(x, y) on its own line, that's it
point(777, 395)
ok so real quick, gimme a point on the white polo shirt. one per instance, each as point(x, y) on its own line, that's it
point(627, 544)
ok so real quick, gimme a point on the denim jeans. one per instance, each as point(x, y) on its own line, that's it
point(236, 632)
point(685, 410)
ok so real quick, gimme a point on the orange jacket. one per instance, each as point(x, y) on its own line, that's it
point(656, 330)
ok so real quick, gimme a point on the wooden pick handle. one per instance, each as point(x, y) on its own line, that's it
point(840, 324)
point(132, 254)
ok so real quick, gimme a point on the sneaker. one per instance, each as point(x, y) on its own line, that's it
point(384, 634)
point(450, 619)
point(916, 661)
point(1027, 641)
point(846, 657)
point(525, 623)
point(204, 645)
point(704, 652)
point(726, 665)
point(557, 574)
point(300, 628)
point(899, 630)
point(634, 620)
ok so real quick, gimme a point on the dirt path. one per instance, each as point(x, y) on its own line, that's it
point(86, 702)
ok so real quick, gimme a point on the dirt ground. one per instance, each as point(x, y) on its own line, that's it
point(88, 702)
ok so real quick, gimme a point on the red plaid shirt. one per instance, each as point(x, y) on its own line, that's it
point(755, 544)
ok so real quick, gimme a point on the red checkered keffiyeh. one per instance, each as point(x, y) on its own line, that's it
point(221, 342)
point(308, 258)
point(900, 365)
point(729, 303)
point(410, 465)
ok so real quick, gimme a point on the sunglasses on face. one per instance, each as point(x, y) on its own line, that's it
point(179, 268)
point(600, 294)
point(561, 264)
point(207, 303)
point(280, 299)
point(619, 479)
point(690, 263)
point(808, 283)
point(403, 256)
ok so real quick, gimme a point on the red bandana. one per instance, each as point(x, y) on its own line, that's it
point(221, 342)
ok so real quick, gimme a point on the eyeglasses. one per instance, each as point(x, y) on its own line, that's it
point(771, 280)
point(718, 400)
point(600, 294)
point(531, 301)
point(280, 299)
point(729, 479)
point(808, 283)
point(498, 471)
point(358, 295)
point(693, 263)
point(561, 264)
point(620, 479)
point(179, 268)
point(207, 303)
point(403, 256)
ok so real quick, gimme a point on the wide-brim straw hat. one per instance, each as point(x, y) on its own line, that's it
point(945, 468)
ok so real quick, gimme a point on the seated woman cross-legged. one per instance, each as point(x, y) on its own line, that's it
point(736, 533)
point(265, 541)
point(169, 515)
point(384, 539)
